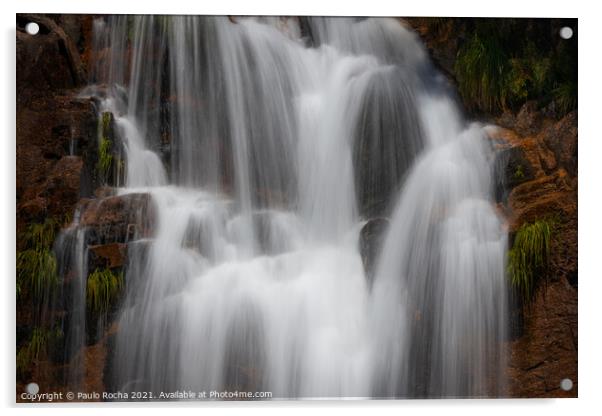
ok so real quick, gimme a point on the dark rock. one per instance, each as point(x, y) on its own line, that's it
point(547, 352)
point(56, 144)
point(442, 40)
point(104, 192)
point(63, 185)
point(528, 120)
point(118, 219)
point(372, 237)
point(47, 61)
point(52, 122)
point(387, 139)
point(561, 139)
point(511, 168)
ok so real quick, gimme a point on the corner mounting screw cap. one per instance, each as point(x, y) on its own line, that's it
point(32, 388)
point(566, 384)
point(32, 28)
point(566, 32)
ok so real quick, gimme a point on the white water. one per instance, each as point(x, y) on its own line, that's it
point(238, 291)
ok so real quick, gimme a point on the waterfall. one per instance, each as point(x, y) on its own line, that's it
point(266, 144)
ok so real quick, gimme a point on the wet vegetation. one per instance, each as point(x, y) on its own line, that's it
point(528, 259)
point(502, 63)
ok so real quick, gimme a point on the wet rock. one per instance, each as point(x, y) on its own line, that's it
point(104, 192)
point(372, 237)
point(63, 185)
point(561, 139)
point(544, 196)
point(110, 255)
point(543, 350)
point(52, 122)
point(512, 167)
point(528, 120)
point(56, 138)
point(442, 40)
point(118, 219)
point(547, 352)
point(387, 139)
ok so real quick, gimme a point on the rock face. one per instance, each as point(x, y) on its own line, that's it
point(110, 256)
point(117, 219)
point(545, 350)
point(56, 131)
point(55, 137)
point(55, 148)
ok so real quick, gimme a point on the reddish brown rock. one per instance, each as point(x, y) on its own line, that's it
point(52, 122)
point(545, 353)
point(561, 139)
point(56, 154)
point(118, 218)
point(528, 120)
point(108, 255)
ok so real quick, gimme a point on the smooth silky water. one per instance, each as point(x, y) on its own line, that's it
point(253, 279)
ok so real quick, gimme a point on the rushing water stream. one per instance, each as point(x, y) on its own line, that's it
point(254, 279)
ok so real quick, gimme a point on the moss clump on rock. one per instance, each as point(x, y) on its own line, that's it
point(481, 69)
point(103, 289)
point(529, 257)
point(105, 148)
point(36, 263)
point(41, 342)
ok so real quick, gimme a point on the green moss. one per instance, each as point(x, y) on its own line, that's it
point(40, 235)
point(565, 96)
point(36, 264)
point(518, 173)
point(105, 158)
point(105, 148)
point(481, 69)
point(529, 257)
point(497, 70)
point(41, 342)
point(23, 361)
point(36, 272)
point(103, 290)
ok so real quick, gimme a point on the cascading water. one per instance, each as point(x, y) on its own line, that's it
point(285, 134)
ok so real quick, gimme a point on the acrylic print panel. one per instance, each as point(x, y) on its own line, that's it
point(263, 208)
